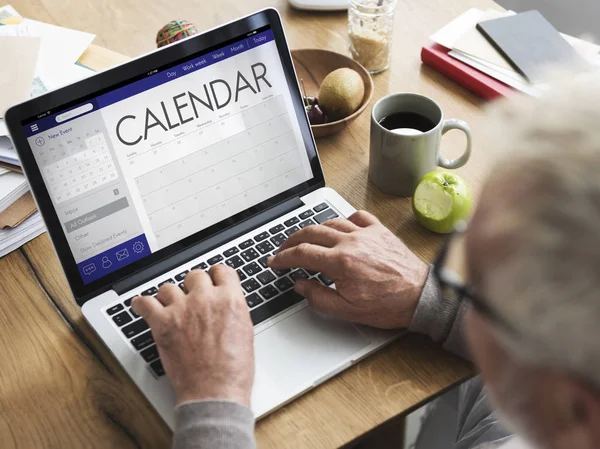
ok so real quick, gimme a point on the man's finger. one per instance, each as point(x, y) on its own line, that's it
point(223, 275)
point(363, 219)
point(169, 293)
point(304, 255)
point(341, 224)
point(323, 299)
point(315, 235)
point(148, 307)
point(197, 280)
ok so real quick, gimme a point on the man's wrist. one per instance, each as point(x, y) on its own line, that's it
point(230, 393)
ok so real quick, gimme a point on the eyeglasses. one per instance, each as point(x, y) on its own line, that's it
point(449, 280)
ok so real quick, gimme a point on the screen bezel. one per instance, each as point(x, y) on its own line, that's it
point(20, 114)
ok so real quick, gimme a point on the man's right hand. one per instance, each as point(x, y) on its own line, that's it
point(378, 279)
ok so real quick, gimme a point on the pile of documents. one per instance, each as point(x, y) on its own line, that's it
point(463, 42)
point(36, 58)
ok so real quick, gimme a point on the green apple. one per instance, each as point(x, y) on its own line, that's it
point(441, 200)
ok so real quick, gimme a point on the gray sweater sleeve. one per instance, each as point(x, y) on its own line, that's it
point(441, 318)
point(213, 424)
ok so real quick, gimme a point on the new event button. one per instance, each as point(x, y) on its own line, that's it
point(95, 215)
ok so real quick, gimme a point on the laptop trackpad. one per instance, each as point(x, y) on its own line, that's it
point(305, 346)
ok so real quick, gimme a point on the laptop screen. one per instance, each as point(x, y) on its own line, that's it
point(145, 165)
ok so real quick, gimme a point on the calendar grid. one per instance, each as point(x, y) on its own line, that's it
point(221, 182)
point(213, 165)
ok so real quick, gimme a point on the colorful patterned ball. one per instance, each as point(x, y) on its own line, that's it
point(175, 31)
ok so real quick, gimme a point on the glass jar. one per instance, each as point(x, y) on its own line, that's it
point(370, 29)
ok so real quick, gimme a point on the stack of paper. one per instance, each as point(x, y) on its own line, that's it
point(11, 239)
point(36, 57)
point(12, 187)
point(468, 45)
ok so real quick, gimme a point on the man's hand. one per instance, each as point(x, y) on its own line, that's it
point(378, 279)
point(205, 337)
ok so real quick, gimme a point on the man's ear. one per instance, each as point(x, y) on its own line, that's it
point(580, 415)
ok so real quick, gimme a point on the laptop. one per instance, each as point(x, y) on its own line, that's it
point(193, 155)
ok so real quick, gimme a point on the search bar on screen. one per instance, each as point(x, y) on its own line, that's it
point(74, 112)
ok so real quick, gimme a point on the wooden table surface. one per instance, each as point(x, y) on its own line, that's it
point(59, 385)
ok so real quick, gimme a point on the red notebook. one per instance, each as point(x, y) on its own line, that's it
point(482, 85)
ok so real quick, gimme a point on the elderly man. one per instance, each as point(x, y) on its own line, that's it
point(528, 305)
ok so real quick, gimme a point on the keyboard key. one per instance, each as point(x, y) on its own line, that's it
point(137, 327)
point(290, 231)
point(325, 280)
point(284, 283)
point(114, 309)
point(260, 237)
point(277, 229)
point(231, 251)
point(280, 273)
point(157, 367)
point(122, 319)
point(250, 285)
point(215, 259)
point(150, 292)
point(278, 239)
point(320, 207)
point(266, 277)
point(249, 255)
point(265, 247)
point(272, 308)
point(253, 300)
point(312, 273)
point(128, 302)
point(299, 274)
point(268, 292)
point(247, 244)
point(133, 314)
point(306, 223)
point(235, 262)
point(150, 354)
point(181, 276)
point(241, 275)
point(325, 215)
point(263, 261)
point(168, 281)
point(252, 268)
point(291, 221)
point(307, 213)
point(181, 286)
point(200, 266)
point(141, 341)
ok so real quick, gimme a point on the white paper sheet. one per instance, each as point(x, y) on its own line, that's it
point(14, 30)
point(60, 49)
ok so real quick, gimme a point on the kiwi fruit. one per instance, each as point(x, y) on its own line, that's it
point(341, 93)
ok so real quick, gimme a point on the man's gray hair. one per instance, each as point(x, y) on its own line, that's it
point(547, 284)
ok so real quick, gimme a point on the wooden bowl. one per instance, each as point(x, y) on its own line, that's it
point(313, 65)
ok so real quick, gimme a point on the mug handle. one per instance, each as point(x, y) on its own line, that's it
point(462, 160)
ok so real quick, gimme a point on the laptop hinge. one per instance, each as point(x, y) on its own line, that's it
point(207, 245)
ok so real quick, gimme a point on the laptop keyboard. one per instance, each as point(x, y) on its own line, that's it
point(267, 291)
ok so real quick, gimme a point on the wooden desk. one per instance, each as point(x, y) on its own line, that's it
point(59, 385)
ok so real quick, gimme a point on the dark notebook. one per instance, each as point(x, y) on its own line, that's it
point(530, 43)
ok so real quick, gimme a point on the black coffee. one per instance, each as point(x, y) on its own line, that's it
point(403, 120)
